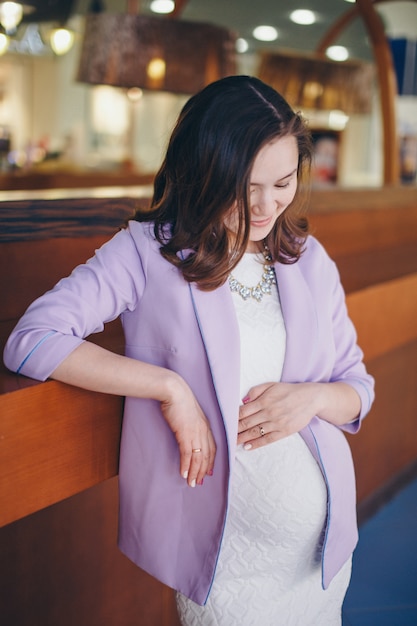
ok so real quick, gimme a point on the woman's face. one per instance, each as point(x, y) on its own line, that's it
point(273, 183)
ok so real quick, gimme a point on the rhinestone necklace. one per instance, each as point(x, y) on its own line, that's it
point(264, 287)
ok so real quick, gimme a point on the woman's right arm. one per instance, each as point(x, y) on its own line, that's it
point(49, 342)
point(94, 368)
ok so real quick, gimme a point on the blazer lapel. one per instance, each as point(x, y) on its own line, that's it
point(300, 319)
point(219, 329)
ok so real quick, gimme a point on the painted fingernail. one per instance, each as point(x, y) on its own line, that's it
point(245, 399)
point(210, 473)
point(200, 482)
point(192, 484)
point(185, 475)
point(247, 446)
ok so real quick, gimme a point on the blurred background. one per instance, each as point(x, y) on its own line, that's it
point(55, 118)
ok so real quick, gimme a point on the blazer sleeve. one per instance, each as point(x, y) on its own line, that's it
point(349, 366)
point(96, 292)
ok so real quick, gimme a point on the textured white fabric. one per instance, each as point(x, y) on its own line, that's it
point(268, 572)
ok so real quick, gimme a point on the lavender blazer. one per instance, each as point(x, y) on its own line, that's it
point(171, 531)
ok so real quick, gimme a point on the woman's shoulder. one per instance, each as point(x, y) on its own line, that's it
point(143, 233)
point(139, 229)
point(315, 259)
point(314, 247)
point(135, 238)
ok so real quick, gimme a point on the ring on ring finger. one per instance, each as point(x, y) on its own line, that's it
point(196, 450)
point(261, 430)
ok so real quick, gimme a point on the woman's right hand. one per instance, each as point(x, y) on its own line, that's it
point(92, 367)
point(192, 431)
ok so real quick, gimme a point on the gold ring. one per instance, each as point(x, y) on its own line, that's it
point(261, 430)
point(196, 450)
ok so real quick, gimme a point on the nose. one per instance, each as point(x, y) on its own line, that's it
point(263, 202)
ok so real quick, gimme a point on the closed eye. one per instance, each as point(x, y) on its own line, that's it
point(285, 182)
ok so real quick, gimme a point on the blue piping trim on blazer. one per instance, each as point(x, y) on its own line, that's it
point(228, 443)
point(360, 382)
point(323, 471)
point(52, 332)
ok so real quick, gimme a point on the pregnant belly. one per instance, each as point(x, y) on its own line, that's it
point(278, 505)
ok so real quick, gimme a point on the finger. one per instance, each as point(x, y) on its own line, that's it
point(246, 410)
point(212, 454)
point(206, 456)
point(249, 422)
point(198, 466)
point(197, 461)
point(261, 441)
point(256, 437)
point(251, 414)
point(250, 428)
point(256, 392)
point(185, 461)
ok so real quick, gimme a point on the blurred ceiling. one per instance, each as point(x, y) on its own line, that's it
point(241, 16)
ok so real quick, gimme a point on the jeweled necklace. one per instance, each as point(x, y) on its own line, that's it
point(264, 287)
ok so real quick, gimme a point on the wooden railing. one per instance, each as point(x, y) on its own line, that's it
point(57, 441)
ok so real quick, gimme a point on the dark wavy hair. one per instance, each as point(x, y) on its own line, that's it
point(206, 172)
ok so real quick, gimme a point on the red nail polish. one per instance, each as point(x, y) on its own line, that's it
point(200, 482)
point(245, 399)
point(210, 473)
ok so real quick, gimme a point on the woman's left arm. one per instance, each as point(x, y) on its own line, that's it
point(342, 396)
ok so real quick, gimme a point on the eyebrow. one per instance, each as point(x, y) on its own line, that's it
point(279, 179)
point(288, 175)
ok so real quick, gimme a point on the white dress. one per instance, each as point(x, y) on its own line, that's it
point(268, 571)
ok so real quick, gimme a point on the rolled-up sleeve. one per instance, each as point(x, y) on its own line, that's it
point(95, 293)
point(349, 366)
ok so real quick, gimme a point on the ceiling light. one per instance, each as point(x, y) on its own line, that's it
point(337, 53)
point(352, 1)
point(4, 43)
point(61, 40)
point(303, 16)
point(265, 33)
point(162, 6)
point(242, 45)
point(11, 14)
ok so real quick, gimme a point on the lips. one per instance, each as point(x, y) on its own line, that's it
point(261, 223)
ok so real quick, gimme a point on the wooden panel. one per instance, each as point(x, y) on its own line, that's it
point(29, 268)
point(25, 220)
point(336, 199)
point(71, 440)
point(371, 235)
point(347, 232)
point(370, 267)
point(385, 315)
point(387, 441)
point(55, 441)
point(62, 179)
point(62, 567)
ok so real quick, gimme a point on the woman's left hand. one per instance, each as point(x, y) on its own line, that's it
point(273, 411)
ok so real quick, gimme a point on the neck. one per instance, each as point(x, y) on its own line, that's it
point(256, 246)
